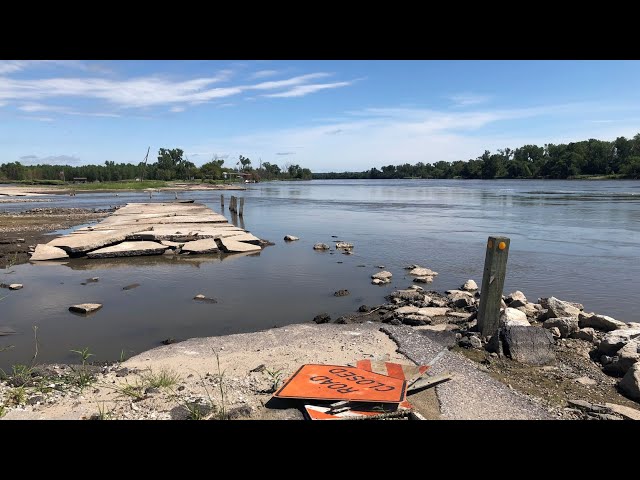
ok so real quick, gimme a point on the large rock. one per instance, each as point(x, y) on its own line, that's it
point(559, 308)
point(462, 301)
point(423, 279)
point(415, 320)
point(233, 246)
point(406, 310)
point(47, 252)
point(601, 322)
point(85, 307)
point(129, 249)
point(616, 339)
point(433, 311)
point(469, 285)
point(516, 299)
point(453, 293)
point(422, 272)
point(513, 317)
point(409, 294)
point(630, 383)
point(321, 246)
point(588, 334)
point(344, 245)
point(627, 412)
point(384, 275)
point(206, 245)
point(290, 238)
point(533, 346)
point(625, 358)
point(566, 325)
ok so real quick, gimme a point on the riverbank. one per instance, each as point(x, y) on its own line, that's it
point(9, 193)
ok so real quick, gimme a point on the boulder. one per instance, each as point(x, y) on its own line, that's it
point(47, 252)
point(516, 299)
point(475, 342)
point(384, 275)
point(290, 238)
point(588, 334)
point(469, 285)
point(555, 331)
point(422, 272)
point(85, 307)
point(533, 346)
point(625, 358)
point(341, 293)
point(616, 339)
point(321, 246)
point(377, 281)
point(566, 325)
point(423, 279)
point(15, 286)
point(322, 318)
point(559, 308)
point(344, 245)
point(409, 294)
point(512, 317)
point(630, 383)
point(202, 298)
point(600, 322)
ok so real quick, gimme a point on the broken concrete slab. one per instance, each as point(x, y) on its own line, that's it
point(422, 272)
point(627, 413)
point(230, 245)
point(433, 311)
point(600, 322)
point(86, 242)
point(47, 252)
point(85, 307)
point(384, 275)
point(129, 249)
point(566, 325)
point(241, 237)
point(169, 243)
point(423, 279)
point(206, 245)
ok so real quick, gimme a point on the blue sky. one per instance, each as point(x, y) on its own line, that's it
point(320, 114)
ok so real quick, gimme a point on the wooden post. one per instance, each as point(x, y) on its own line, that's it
point(222, 202)
point(241, 206)
point(495, 270)
point(232, 204)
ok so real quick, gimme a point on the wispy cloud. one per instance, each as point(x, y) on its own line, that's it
point(177, 109)
point(11, 66)
point(285, 153)
point(468, 99)
point(40, 107)
point(52, 159)
point(263, 74)
point(303, 90)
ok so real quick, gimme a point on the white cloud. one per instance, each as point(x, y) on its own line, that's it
point(40, 107)
point(263, 74)
point(468, 99)
point(11, 66)
point(177, 109)
point(303, 90)
point(51, 159)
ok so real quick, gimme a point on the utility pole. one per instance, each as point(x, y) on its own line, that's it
point(144, 166)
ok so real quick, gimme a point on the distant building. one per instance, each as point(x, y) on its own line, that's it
point(79, 179)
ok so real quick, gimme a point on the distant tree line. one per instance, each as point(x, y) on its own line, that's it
point(620, 158)
point(171, 164)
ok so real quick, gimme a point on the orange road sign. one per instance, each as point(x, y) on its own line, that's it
point(337, 382)
point(396, 370)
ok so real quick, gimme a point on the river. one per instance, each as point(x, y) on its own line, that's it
point(576, 240)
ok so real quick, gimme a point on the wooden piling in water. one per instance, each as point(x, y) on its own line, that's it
point(241, 206)
point(495, 270)
point(222, 202)
point(232, 204)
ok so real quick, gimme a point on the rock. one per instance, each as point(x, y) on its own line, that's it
point(626, 412)
point(415, 320)
point(630, 383)
point(131, 287)
point(422, 272)
point(516, 299)
point(433, 311)
point(529, 310)
point(438, 302)
point(35, 400)
point(423, 279)
point(168, 341)
point(47, 252)
point(616, 339)
point(321, 246)
point(411, 295)
point(533, 346)
point(85, 307)
point(7, 331)
point(585, 381)
point(588, 334)
point(344, 245)
point(380, 266)
point(559, 308)
point(475, 342)
point(230, 245)
point(462, 301)
point(377, 281)
point(384, 275)
point(555, 331)
point(511, 317)
point(206, 245)
point(469, 285)
point(15, 286)
point(129, 249)
point(341, 293)
point(364, 308)
point(454, 293)
point(341, 320)
point(202, 298)
point(122, 372)
point(290, 238)
point(322, 318)
point(239, 411)
point(600, 322)
point(566, 325)
point(406, 310)
point(624, 359)
point(605, 359)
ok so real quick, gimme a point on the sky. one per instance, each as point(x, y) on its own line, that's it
point(344, 115)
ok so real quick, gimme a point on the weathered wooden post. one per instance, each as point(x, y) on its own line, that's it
point(495, 270)
point(232, 204)
point(222, 202)
point(241, 206)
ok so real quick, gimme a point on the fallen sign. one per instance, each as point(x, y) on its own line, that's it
point(336, 382)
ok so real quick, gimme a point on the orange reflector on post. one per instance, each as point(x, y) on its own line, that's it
point(502, 245)
point(337, 382)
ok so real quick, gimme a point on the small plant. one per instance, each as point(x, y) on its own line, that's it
point(164, 379)
point(102, 414)
point(20, 375)
point(196, 411)
point(275, 376)
point(82, 377)
point(135, 391)
point(11, 261)
point(84, 354)
point(17, 396)
point(3, 410)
